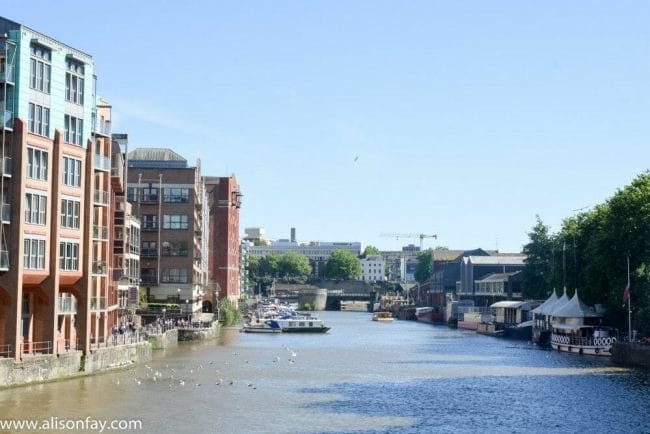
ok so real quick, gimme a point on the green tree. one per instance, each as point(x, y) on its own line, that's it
point(537, 275)
point(371, 250)
point(294, 266)
point(344, 265)
point(424, 267)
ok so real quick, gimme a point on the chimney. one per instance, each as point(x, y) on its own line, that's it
point(293, 235)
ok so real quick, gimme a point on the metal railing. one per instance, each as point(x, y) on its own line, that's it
point(33, 348)
point(7, 119)
point(5, 350)
point(68, 345)
point(4, 260)
point(102, 162)
point(66, 305)
point(113, 340)
point(8, 73)
point(101, 197)
point(98, 303)
point(6, 166)
point(103, 127)
point(5, 213)
point(100, 232)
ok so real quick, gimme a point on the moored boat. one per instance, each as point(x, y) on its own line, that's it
point(382, 316)
point(301, 325)
point(262, 327)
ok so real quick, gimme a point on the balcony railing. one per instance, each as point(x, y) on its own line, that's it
point(100, 233)
point(102, 163)
point(149, 280)
point(98, 303)
point(149, 227)
point(44, 347)
point(4, 260)
point(6, 120)
point(99, 267)
point(6, 166)
point(5, 213)
point(7, 74)
point(5, 350)
point(103, 127)
point(66, 305)
point(101, 197)
point(149, 253)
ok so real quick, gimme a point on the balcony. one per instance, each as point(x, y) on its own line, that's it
point(6, 167)
point(100, 233)
point(148, 280)
point(149, 253)
point(103, 163)
point(5, 213)
point(7, 74)
point(7, 120)
point(101, 198)
point(103, 128)
point(4, 260)
point(98, 303)
point(149, 227)
point(66, 305)
point(100, 268)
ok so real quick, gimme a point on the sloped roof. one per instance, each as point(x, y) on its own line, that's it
point(575, 308)
point(497, 277)
point(155, 154)
point(551, 307)
point(498, 260)
point(542, 308)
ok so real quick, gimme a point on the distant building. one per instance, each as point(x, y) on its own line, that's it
point(373, 268)
point(401, 263)
point(168, 197)
point(473, 268)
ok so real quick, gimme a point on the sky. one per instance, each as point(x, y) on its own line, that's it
point(351, 120)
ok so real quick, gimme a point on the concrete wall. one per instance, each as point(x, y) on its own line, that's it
point(163, 340)
point(198, 334)
point(631, 354)
point(115, 357)
point(313, 297)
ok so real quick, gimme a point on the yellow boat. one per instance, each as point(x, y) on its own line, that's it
point(382, 316)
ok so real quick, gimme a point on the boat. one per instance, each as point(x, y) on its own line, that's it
point(577, 328)
point(262, 327)
point(297, 324)
point(382, 316)
point(433, 315)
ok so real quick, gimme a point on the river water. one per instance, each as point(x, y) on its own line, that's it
point(362, 376)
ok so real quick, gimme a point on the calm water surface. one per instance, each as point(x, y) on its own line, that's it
point(363, 376)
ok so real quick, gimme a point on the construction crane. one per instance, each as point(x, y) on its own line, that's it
point(420, 236)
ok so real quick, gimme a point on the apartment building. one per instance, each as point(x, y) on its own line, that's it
point(55, 189)
point(224, 201)
point(168, 198)
point(373, 268)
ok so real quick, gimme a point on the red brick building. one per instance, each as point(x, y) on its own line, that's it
point(224, 201)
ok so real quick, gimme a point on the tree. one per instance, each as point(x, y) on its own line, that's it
point(537, 275)
point(371, 250)
point(344, 265)
point(295, 266)
point(424, 267)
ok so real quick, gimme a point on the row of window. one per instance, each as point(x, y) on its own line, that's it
point(168, 275)
point(40, 71)
point(151, 194)
point(150, 221)
point(34, 255)
point(38, 122)
point(174, 248)
point(37, 167)
point(36, 211)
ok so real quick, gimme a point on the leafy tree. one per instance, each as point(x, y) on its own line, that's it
point(293, 265)
point(537, 275)
point(344, 265)
point(424, 267)
point(371, 250)
point(270, 265)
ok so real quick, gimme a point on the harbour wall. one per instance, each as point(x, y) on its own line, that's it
point(163, 340)
point(198, 334)
point(624, 353)
point(315, 298)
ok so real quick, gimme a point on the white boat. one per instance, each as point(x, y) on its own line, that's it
point(298, 324)
point(576, 328)
point(267, 326)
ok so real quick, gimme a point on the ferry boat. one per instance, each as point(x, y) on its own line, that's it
point(262, 327)
point(300, 325)
point(382, 316)
point(576, 328)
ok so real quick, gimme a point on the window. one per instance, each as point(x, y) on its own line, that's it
point(36, 164)
point(34, 256)
point(39, 71)
point(70, 210)
point(178, 195)
point(74, 82)
point(174, 275)
point(73, 130)
point(39, 120)
point(149, 248)
point(149, 275)
point(69, 256)
point(71, 172)
point(150, 194)
point(176, 248)
point(35, 208)
point(132, 194)
point(175, 222)
point(149, 222)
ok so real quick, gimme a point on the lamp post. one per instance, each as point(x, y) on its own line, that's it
point(164, 311)
point(187, 309)
point(178, 296)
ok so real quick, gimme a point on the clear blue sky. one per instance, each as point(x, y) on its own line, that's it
point(468, 118)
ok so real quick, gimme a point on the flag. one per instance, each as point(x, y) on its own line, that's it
point(626, 293)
